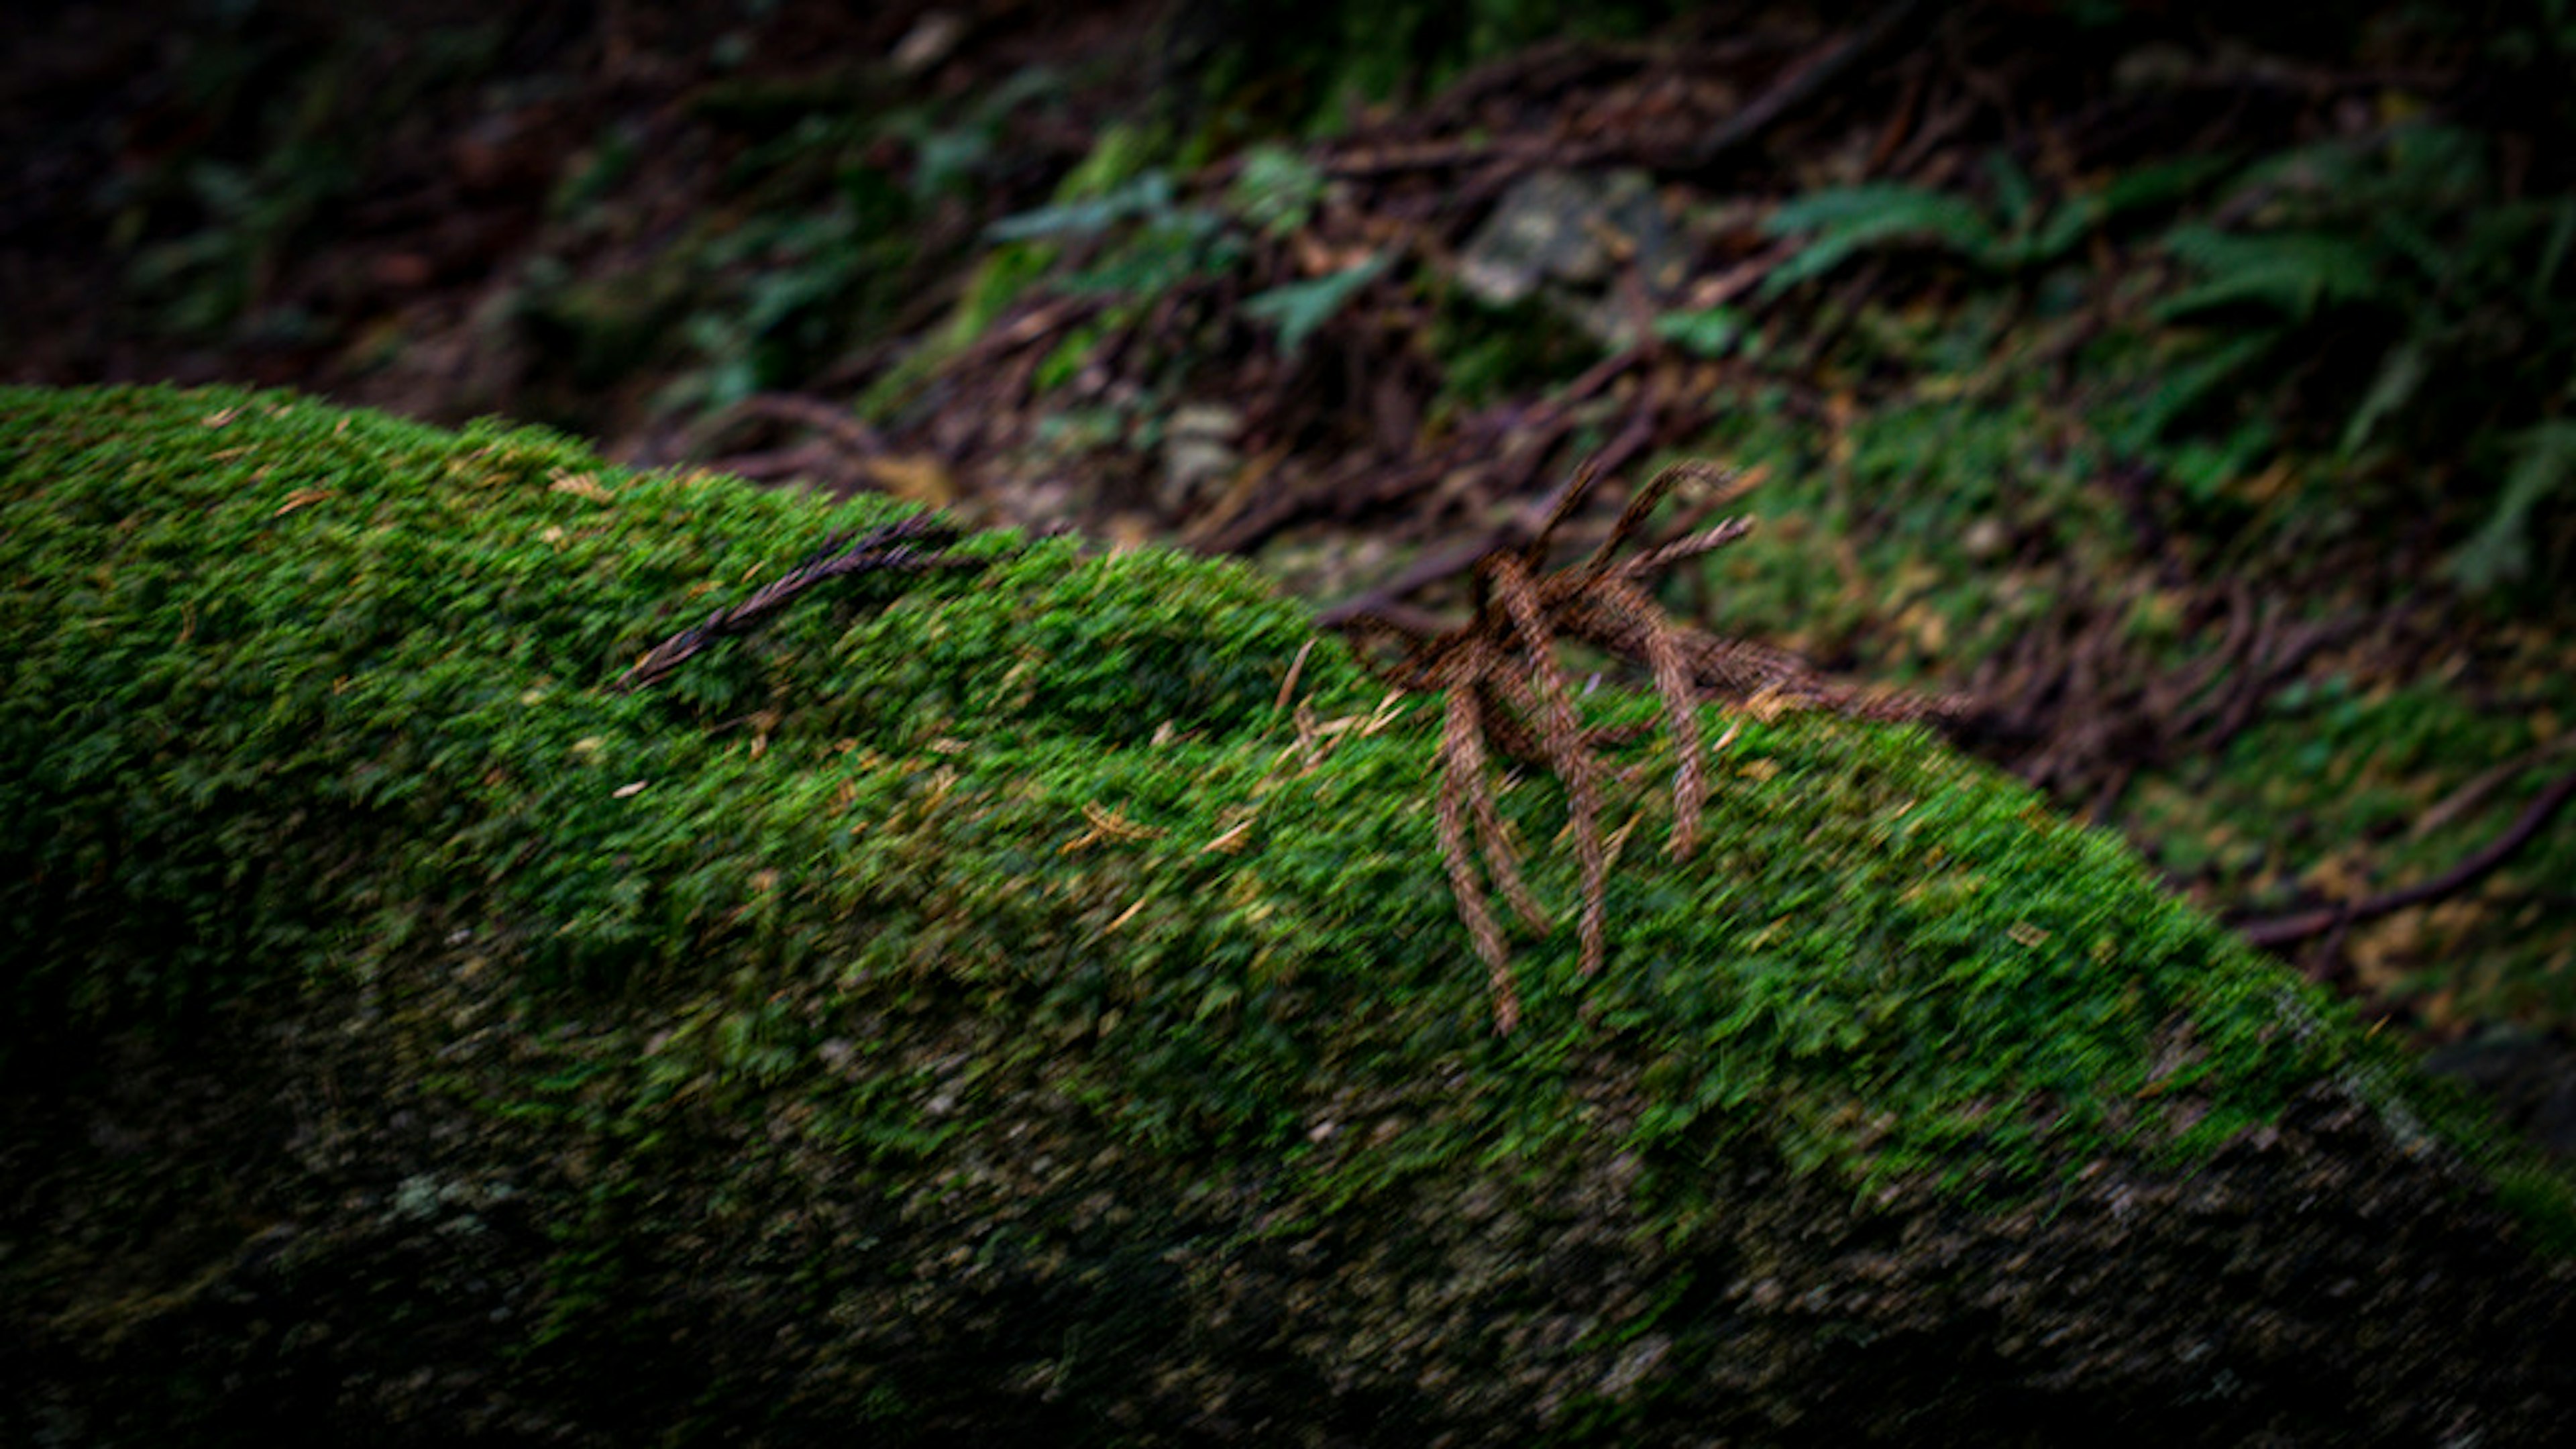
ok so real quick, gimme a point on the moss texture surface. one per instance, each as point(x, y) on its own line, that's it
point(973, 1005)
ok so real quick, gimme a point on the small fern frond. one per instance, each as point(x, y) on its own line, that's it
point(1847, 220)
point(2296, 274)
point(1505, 688)
point(2544, 459)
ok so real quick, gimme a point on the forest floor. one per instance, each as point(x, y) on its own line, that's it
point(2190, 401)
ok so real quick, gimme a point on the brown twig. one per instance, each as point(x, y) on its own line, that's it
point(912, 545)
point(2470, 796)
point(2276, 931)
point(1524, 524)
point(2080, 713)
point(1801, 86)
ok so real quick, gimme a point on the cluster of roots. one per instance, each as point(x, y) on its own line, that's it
point(1507, 693)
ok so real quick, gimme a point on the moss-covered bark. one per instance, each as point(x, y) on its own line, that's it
point(969, 1009)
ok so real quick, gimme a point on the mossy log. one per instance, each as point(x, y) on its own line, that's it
point(1000, 1007)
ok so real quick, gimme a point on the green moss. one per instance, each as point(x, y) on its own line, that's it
point(2540, 1197)
point(308, 701)
point(974, 1004)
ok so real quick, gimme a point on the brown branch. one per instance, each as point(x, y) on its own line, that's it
point(1501, 449)
point(1512, 533)
point(2473, 794)
point(1800, 86)
point(805, 459)
point(832, 419)
point(912, 545)
point(2277, 931)
point(1531, 525)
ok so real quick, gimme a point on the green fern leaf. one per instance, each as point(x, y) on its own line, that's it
point(1147, 195)
point(2500, 552)
point(2187, 386)
point(2401, 375)
point(1301, 307)
point(1851, 219)
point(2161, 184)
point(2295, 274)
point(1708, 332)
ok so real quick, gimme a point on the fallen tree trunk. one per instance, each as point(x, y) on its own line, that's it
point(974, 1006)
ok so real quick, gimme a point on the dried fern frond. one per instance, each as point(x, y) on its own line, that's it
point(1507, 693)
